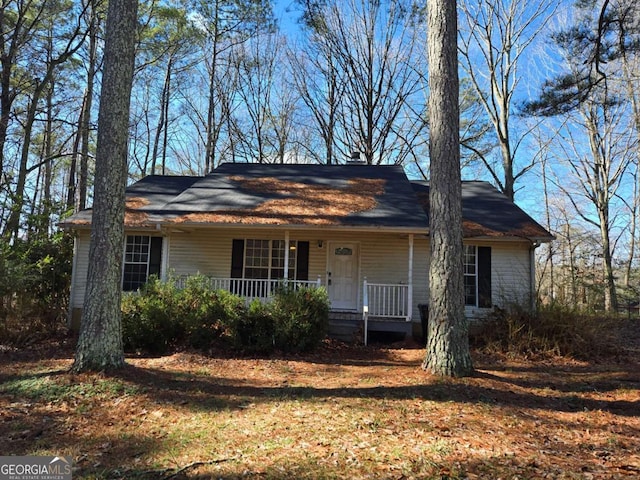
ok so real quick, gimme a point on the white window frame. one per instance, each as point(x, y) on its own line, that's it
point(133, 253)
point(474, 274)
point(267, 263)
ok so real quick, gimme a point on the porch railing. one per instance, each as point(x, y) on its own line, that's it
point(380, 300)
point(251, 288)
point(384, 300)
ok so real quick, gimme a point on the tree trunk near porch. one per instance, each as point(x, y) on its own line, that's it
point(447, 339)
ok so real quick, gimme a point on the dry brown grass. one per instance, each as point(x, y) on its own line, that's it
point(343, 412)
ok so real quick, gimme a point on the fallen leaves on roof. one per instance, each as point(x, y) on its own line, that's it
point(472, 229)
point(300, 203)
point(132, 217)
point(135, 203)
point(136, 219)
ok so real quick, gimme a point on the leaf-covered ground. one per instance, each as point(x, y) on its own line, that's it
point(342, 412)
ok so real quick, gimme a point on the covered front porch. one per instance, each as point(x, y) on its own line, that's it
point(371, 277)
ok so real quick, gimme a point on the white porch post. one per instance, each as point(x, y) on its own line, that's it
point(286, 254)
point(410, 294)
point(365, 310)
point(164, 264)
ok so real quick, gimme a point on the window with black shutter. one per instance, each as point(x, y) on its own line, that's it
point(264, 259)
point(142, 258)
point(484, 277)
point(477, 276)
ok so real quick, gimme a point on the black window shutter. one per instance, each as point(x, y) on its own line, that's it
point(155, 256)
point(237, 258)
point(302, 267)
point(484, 277)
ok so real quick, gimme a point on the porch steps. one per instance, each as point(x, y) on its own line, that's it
point(348, 326)
point(345, 326)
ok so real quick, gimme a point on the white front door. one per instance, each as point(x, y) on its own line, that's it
point(342, 275)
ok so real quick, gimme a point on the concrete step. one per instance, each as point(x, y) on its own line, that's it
point(344, 330)
point(348, 326)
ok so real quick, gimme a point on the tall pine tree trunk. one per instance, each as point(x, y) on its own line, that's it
point(100, 343)
point(162, 121)
point(71, 181)
point(85, 126)
point(12, 226)
point(447, 338)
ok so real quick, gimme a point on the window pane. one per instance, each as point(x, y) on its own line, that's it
point(136, 262)
point(277, 259)
point(277, 256)
point(293, 254)
point(265, 259)
point(257, 259)
point(470, 275)
point(470, 290)
point(254, 272)
point(135, 275)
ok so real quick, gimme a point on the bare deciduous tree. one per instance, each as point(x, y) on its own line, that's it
point(374, 76)
point(321, 87)
point(494, 37)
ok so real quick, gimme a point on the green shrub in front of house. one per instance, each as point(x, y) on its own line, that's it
point(254, 331)
point(295, 320)
point(162, 316)
point(206, 313)
point(302, 318)
point(151, 318)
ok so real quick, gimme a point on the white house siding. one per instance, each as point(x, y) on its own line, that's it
point(79, 276)
point(383, 259)
point(383, 256)
point(510, 275)
point(80, 268)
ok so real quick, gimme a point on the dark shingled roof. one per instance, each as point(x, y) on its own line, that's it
point(312, 195)
point(346, 195)
point(486, 212)
point(149, 194)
